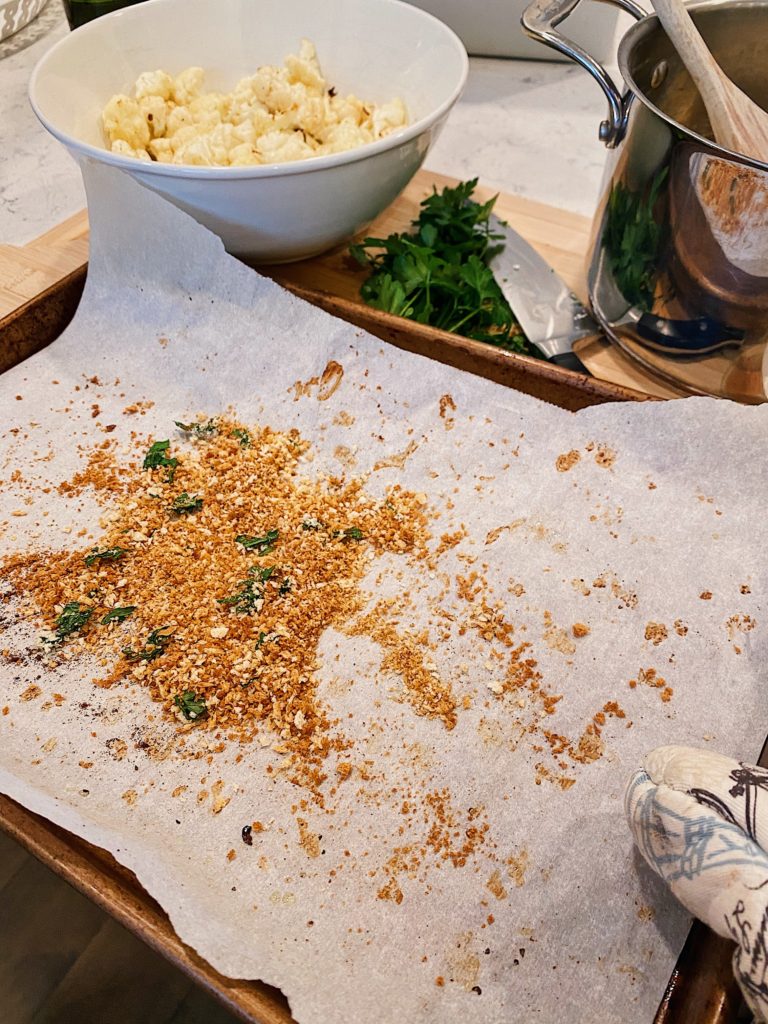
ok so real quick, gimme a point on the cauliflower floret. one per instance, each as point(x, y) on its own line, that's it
point(178, 118)
point(244, 155)
point(154, 83)
point(312, 115)
point(281, 147)
point(270, 87)
point(184, 135)
point(187, 85)
point(154, 110)
point(208, 103)
point(123, 121)
point(346, 135)
point(221, 140)
point(206, 112)
point(388, 117)
point(196, 151)
point(121, 147)
point(347, 108)
point(161, 150)
point(244, 133)
point(305, 68)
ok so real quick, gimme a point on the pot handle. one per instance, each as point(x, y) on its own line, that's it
point(539, 20)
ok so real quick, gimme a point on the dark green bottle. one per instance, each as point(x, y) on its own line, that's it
point(80, 11)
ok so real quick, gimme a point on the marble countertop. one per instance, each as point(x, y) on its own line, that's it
point(524, 127)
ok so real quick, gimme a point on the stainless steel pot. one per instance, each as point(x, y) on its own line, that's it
point(678, 267)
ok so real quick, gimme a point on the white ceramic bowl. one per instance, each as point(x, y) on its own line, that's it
point(376, 49)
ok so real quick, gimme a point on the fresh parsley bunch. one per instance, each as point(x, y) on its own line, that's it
point(438, 274)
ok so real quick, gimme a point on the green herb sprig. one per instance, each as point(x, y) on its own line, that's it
point(251, 592)
point(190, 705)
point(154, 646)
point(105, 555)
point(439, 273)
point(119, 614)
point(200, 429)
point(242, 436)
point(351, 533)
point(266, 638)
point(185, 504)
point(72, 619)
point(157, 457)
point(261, 545)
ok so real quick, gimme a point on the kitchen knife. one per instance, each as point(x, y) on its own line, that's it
point(548, 312)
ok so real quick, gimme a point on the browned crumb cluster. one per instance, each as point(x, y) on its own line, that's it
point(567, 460)
point(656, 633)
point(650, 677)
point(445, 835)
point(224, 633)
point(589, 746)
point(425, 691)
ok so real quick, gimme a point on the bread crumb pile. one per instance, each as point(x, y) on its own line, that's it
point(219, 568)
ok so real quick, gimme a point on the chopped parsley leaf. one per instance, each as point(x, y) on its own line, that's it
point(118, 614)
point(351, 533)
point(154, 646)
point(200, 429)
point(266, 638)
point(243, 437)
point(72, 619)
point(310, 523)
point(157, 456)
point(190, 705)
point(105, 555)
point(261, 545)
point(286, 586)
point(248, 599)
point(185, 504)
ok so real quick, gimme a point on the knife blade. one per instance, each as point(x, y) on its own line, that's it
point(548, 312)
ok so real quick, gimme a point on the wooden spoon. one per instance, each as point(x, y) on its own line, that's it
point(738, 123)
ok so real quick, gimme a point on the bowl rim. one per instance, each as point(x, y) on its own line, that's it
point(304, 166)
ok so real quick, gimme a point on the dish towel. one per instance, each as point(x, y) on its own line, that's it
point(701, 822)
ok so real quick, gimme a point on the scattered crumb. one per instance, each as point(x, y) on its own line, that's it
point(567, 460)
point(496, 886)
point(656, 632)
point(447, 405)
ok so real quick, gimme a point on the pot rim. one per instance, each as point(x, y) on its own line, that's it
point(650, 23)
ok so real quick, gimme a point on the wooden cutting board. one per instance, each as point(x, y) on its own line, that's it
point(333, 280)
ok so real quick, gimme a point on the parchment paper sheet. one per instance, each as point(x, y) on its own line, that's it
point(674, 508)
